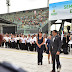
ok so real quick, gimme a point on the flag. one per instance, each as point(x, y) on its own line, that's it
point(62, 32)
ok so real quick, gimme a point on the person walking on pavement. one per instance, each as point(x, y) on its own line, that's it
point(55, 46)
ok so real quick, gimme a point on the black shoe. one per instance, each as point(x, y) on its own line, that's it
point(59, 66)
point(38, 63)
point(53, 71)
point(58, 70)
point(41, 63)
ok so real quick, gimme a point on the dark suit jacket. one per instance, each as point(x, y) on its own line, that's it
point(55, 45)
point(68, 38)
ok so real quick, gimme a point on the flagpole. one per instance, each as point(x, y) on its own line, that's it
point(62, 33)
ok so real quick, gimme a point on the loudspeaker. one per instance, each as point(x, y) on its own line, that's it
point(68, 27)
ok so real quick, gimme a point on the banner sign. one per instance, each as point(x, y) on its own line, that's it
point(60, 10)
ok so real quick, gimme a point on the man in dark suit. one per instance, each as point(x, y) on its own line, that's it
point(55, 46)
point(68, 37)
point(68, 41)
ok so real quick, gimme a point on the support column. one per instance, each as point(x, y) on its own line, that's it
point(63, 23)
point(49, 28)
point(55, 26)
point(1, 29)
point(15, 29)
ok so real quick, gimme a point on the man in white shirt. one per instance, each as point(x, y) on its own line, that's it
point(32, 42)
point(28, 42)
point(23, 42)
point(12, 41)
point(18, 40)
point(2, 41)
point(6, 38)
point(35, 38)
point(15, 42)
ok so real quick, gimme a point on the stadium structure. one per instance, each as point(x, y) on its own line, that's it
point(29, 21)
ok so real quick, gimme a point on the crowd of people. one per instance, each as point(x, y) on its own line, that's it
point(20, 41)
point(51, 45)
point(66, 43)
point(33, 17)
point(29, 41)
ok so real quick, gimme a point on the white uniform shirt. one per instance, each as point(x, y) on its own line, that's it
point(35, 39)
point(45, 40)
point(6, 38)
point(12, 39)
point(28, 39)
point(23, 40)
point(15, 39)
point(32, 40)
point(18, 38)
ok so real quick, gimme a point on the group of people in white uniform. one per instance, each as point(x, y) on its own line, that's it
point(70, 42)
point(21, 41)
point(32, 43)
point(24, 42)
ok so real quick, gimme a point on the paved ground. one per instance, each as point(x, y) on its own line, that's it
point(28, 60)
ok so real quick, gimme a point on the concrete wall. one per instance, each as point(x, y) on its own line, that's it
point(45, 29)
point(8, 28)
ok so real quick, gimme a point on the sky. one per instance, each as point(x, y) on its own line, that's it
point(20, 5)
point(55, 1)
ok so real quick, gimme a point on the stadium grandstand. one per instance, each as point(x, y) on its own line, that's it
point(29, 21)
